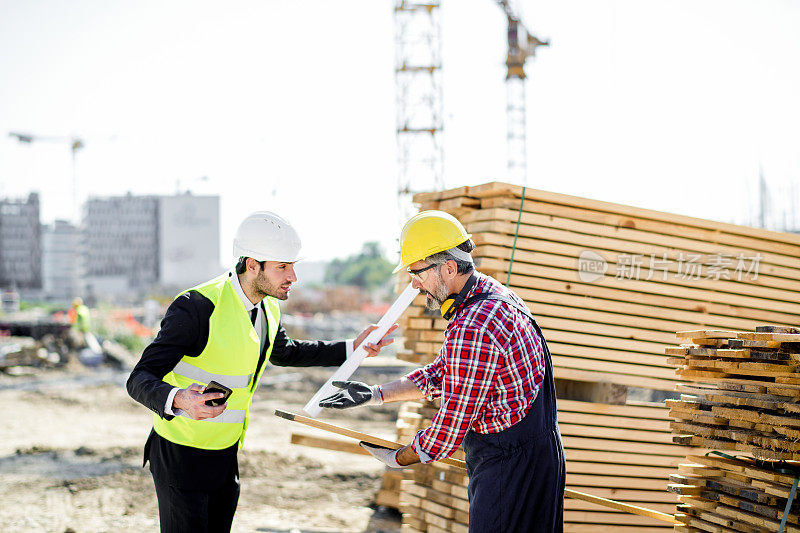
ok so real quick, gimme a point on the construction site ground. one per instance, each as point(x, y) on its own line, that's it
point(71, 457)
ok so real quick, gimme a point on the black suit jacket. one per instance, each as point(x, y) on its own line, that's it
point(184, 331)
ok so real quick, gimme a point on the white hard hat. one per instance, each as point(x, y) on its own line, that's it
point(265, 236)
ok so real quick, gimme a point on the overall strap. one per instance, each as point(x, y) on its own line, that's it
point(548, 384)
point(494, 296)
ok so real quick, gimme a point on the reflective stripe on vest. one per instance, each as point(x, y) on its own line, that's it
point(228, 416)
point(198, 374)
point(230, 357)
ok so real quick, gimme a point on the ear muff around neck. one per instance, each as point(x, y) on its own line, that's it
point(454, 301)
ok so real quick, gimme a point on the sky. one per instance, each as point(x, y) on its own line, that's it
point(289, 106)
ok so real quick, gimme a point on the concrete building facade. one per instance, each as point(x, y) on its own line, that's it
point(20, 244)
point(61, 261)
point(188, 239)
point(120, 244)
point(133, 244)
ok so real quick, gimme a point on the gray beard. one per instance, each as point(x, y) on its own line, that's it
point(432, 303)
point(435, 299)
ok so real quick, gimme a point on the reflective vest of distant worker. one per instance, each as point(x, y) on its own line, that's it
point(82, 321)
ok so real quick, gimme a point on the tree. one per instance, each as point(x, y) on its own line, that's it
point(368, 269)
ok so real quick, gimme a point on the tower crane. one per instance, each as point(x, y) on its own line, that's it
point(521, 46)
point(418, 87)
point(75, 143)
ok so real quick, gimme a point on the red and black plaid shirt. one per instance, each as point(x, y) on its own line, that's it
point(487, 373)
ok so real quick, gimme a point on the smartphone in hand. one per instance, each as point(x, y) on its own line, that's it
point(217, 387)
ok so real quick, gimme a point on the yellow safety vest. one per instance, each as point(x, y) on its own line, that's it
point(230, 358)
point(82, 319)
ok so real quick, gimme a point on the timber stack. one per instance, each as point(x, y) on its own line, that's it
point(609, 285)
point(743, 402)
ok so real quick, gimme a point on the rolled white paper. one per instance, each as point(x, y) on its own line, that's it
point(344, 372)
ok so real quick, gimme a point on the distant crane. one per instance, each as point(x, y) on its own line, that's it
point(418, 89)
point(181, 183)
point(75, 144)
point(521, 46)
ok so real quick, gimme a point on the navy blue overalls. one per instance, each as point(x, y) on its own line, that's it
point(517, 476)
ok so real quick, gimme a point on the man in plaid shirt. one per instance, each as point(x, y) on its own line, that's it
point(494, 378)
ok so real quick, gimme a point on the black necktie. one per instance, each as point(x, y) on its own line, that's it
point(253, 313)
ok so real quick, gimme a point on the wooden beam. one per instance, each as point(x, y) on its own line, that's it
point(633, 509)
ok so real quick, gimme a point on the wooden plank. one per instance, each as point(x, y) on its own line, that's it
point(582, 442)
point(353, 434)
point(612, 367)
point(652, 411)
point(580, 505)
point(608, 330)
point(610, 377)
point(504, 209)
point(643, 497)
point(326, 443)
point(707, 334)
point(705, 304)
point(561, 345)
point(603, 238)
point(581, 527)
point(590, 480)
point(497, 189)
point(604, 316)
point(606, 518)
point(558, 293)
point(668, 295)
point(777, 337)
point(592, 419)
point(636, 471)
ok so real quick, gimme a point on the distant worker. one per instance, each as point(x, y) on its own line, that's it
point(223, 330)
point(78, 316)
point(82, 322)
point(494, 376)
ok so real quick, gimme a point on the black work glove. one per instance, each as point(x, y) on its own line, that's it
point(352, 394)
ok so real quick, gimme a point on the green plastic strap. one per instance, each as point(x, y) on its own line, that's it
point(725, 455)
point(516, 234)
point(788, 505)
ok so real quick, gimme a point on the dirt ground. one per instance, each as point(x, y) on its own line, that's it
point(71, 450)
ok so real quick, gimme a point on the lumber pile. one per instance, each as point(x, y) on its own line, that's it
point(745, 392)
point(722, 494)
point(744, 403)
point(611, 284)
point(434, 499)
point(620, 452)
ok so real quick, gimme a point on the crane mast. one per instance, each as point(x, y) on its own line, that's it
point(418, 86)
point(75, 144)
point(521, 46)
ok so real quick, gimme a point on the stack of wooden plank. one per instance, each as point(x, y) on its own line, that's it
point(434, 499)
point(610, 284)
point(744, 403)
point(747, 392)
point(621, 452)
point(722, 494)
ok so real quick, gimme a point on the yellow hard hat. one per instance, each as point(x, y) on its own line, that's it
point(77, 301)
point(428, 233)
